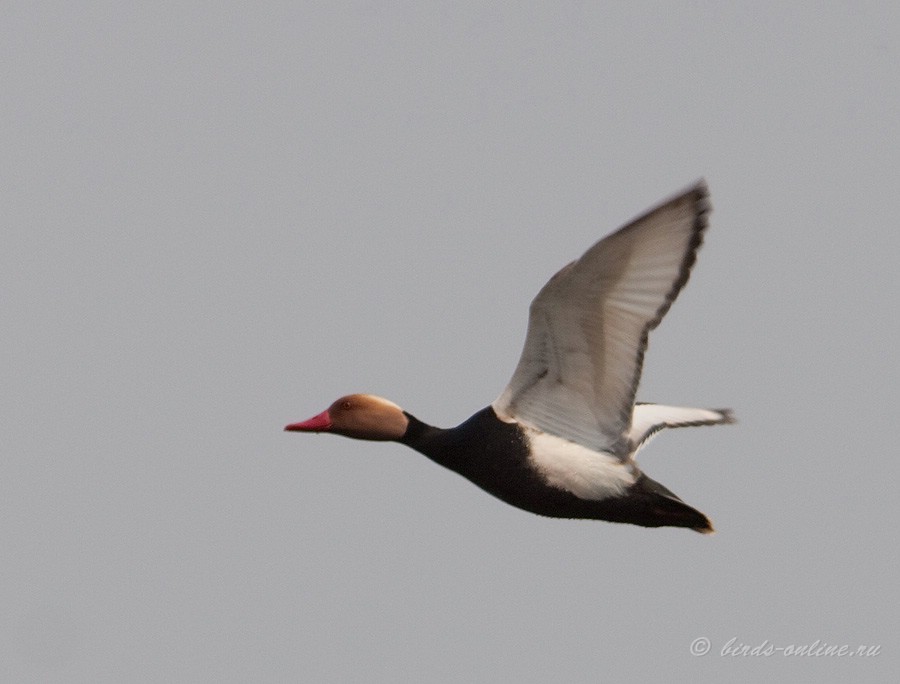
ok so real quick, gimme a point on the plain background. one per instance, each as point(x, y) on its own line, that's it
point(218, 217)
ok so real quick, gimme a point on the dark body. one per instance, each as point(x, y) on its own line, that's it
point(494, 455)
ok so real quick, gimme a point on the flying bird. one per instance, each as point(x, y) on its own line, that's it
point(562, 437)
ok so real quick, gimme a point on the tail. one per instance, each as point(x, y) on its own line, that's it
point(661, 508)
point(649, 419)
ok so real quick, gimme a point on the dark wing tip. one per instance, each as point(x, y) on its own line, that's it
point(727, 416)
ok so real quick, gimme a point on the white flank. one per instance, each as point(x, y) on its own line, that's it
point(585, 473)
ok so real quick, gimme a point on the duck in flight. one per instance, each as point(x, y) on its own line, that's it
point(561, 438)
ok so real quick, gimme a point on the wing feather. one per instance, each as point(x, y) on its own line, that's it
point(588, 326)
point(648, 419)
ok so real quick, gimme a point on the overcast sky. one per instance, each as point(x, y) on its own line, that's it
point(218, 218)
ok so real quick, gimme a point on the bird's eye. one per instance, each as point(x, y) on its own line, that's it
point(346, 405)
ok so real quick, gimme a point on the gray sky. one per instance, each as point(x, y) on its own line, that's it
point(218, 218)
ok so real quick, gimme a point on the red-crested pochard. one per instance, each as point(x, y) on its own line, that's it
point(561, 439)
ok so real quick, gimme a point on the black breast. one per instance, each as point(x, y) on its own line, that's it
point(494, 455)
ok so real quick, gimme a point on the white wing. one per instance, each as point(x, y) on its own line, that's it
point(588, 326)
point(648, 419)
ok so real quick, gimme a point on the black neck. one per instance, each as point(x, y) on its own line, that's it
point(423, 437)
